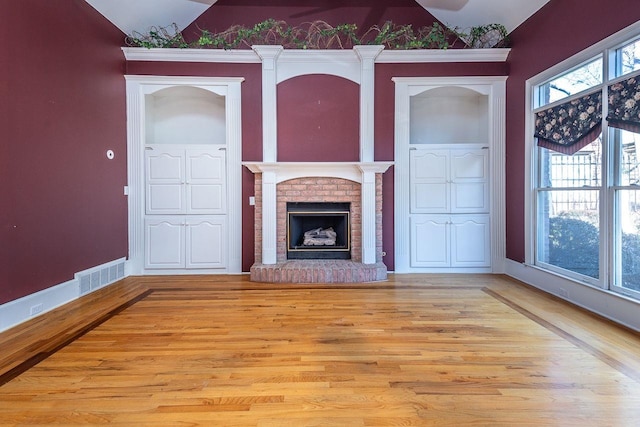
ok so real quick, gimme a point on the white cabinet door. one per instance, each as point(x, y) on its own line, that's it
point(206, 182)
point(206, 245)
point(449, 181)
point(185, 181)
point(165, 178)
point(450, 241)
point(430, 241)
point(469, 181)
point(165, 242)
point(429, 176)
point(470, 241)
point(185, 222)
point(176, 242)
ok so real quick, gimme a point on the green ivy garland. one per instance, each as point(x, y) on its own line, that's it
point(321, 35)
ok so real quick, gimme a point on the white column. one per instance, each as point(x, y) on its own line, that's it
point(269, 56)
point(135, 175)
point(367, 55)
point(234, 174)
point(498, 187)
point(368, 214)
point(269, 218)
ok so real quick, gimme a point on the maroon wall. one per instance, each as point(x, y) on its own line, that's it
point(318, 119)
point(364, 13)
point(63, 107)
point(559, 30)
point(329, 89)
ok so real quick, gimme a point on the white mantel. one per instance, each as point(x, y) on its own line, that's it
point(276, 172)
point(353, 171)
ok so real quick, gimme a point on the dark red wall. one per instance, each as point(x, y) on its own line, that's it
point(364, 13)
point(62, 106)
point(318, 119)
point(340, 97)
point(328, 89)
point(559, 30)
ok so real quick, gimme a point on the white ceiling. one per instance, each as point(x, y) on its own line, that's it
point(140, 15)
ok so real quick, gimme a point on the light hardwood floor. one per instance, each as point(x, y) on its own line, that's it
point(416, 350)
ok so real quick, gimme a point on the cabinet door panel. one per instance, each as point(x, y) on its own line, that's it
point(164, 243)
point(165, 176)
point(430, 243)
point(470, 241)
point(469, 165)
point(428, 174)
point(206, 242)
point(206, 182)
point(469, 197)
point(430, 197)
point(432, 165)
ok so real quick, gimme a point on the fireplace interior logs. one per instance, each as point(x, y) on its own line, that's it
point(318, 231)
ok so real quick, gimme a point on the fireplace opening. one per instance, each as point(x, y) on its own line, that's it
point(318, 230)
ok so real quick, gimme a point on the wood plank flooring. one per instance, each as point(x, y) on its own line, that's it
point(416, 350)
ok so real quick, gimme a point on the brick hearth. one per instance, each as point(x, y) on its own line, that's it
point(318, 271)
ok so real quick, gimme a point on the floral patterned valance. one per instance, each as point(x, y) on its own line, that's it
point(624, 104)
point(570, 126)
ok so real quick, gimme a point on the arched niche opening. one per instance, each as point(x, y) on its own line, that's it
point(449, 115)
point(318, 119)
point(185, 115)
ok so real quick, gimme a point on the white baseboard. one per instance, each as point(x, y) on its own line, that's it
point(15, 312)
point(613, 306)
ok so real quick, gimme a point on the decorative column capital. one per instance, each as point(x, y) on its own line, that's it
point(368, 53)
point(268, 54)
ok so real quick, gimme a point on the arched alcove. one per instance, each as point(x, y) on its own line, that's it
point(318, 119)
point(185, 115)
point(449, 115)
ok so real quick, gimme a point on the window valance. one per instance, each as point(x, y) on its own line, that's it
point(570, 126)
point(624, 104)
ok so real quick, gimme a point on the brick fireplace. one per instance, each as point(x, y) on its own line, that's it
point(360, 185)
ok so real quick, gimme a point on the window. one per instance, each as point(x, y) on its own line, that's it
point(586, 191)
point(626, 204)
point(577, 80)
point(625, 59)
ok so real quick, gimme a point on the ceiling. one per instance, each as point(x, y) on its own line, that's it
point(140, 15)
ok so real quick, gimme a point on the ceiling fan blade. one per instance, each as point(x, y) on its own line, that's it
point(209, 2)
point(443, 4)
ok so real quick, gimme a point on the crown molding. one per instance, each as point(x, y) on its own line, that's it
point(293, 55)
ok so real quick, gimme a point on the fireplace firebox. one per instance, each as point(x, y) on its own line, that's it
point(318, 230)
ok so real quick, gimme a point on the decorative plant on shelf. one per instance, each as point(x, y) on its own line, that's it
point(321, 35)
point(484, 36)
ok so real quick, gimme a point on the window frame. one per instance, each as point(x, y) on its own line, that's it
point(609, 189)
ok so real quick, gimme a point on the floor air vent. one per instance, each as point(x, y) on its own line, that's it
point(97, 277)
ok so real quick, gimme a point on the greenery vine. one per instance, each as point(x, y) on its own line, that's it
point(321, 35)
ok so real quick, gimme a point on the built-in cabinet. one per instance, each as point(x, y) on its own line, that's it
point(192, 241)
point(450, 241)
point(185, 209)
point(184, 170)
point(449, 213)
point(445, 175)
point(449, 180)
point(185, 181)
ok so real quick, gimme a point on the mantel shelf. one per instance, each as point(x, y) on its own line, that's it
point(352, 171)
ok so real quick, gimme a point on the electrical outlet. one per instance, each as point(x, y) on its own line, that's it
point(36, 309)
